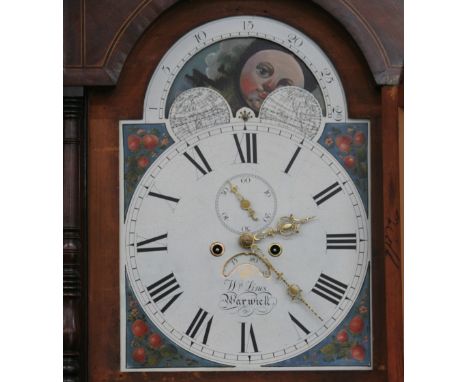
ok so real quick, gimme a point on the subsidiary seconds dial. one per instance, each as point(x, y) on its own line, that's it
point(246, 203)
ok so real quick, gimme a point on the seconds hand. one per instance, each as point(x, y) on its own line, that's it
point(244, 203)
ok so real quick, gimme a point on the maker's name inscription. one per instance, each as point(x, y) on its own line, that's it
point(246, 298)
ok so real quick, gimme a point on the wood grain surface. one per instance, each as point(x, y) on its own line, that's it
point(100, 34)
point(74, 239)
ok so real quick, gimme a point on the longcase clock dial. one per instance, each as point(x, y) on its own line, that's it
point(245, 239)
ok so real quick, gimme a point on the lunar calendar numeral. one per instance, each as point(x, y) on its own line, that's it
point(295, 40)
point(341, 241)
point(200, 36)
point(250, 153)
point(204, 168)
point(298, 324)
point(245, 338)
point(152, 240)
point(330, 289)
point(327, 75)
point(326, 194)
point(165, 287)
point(197, 322)
point(248, 25)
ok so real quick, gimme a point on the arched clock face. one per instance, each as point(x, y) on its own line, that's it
point(244, 239)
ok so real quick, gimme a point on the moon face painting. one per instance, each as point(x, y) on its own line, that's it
point(265, 71)
point(244, 71)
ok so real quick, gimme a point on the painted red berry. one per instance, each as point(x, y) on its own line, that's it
point(150, 141)
point(139, 328)
point(155, 341)
point(359, 138)
point(356, 324)
point(349, 161)
point(139, 355)
point(143, 162)
point(342, 336)
point(358, 352)
point(343, 142)
point(133, 142)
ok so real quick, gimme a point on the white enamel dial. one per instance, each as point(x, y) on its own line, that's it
point(228, 309)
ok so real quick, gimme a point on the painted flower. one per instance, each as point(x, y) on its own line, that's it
point(134, 312)
point(329, 141)
point(363, 309)
point(359, 138)
point(165, 141)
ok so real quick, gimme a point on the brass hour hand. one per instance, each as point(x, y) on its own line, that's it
point(244, 203)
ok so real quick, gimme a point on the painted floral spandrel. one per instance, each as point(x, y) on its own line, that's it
point(148, 347)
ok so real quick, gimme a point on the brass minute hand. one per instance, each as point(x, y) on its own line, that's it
point(244, 203)
point(286, 226)
point(293, 289)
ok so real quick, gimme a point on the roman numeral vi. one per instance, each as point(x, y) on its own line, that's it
point(245, 338)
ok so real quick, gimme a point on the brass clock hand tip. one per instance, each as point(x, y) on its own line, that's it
point(286, 226)
point(293, 290)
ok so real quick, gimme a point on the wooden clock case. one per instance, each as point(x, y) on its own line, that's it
point(110, 54)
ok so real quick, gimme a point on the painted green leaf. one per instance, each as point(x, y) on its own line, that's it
point(328, 349)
